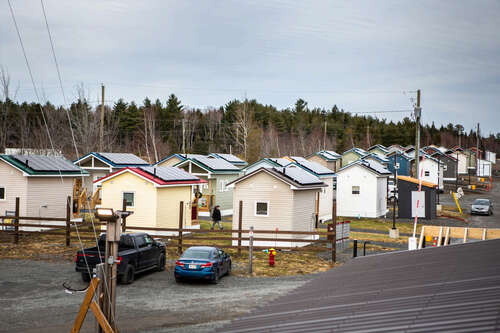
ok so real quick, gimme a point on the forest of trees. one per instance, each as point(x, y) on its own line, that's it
point(246, 128)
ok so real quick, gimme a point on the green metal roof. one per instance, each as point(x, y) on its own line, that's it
point(31, 172)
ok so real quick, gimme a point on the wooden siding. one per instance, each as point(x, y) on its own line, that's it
point(332, 165)
point(224, 198)
point(16, 185)
point(145, 198)
point(49, 191)
point(167, 203)
point(264, 187)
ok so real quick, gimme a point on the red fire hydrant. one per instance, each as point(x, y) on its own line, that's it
point(272, 253)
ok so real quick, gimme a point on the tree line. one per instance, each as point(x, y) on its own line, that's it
point(246, 128)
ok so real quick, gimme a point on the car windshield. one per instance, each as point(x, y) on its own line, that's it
point(196, 254)
point(481, 202)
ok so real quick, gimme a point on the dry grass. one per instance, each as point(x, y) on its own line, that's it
point(378, 237)
point(382, 225)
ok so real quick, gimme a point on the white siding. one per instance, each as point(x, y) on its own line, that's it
point(381, 196)
point(462, 163)
point(263, 187)
point(326, 199)
point(16, 185)
point(51, 192)
point(304, 207)
point(364, 204)
point(435, 175)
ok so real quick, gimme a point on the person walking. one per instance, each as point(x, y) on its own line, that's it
point(216, 218)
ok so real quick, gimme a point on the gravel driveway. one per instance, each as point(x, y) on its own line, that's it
point(32, 299)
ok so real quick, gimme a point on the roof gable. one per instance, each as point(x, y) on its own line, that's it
point(117, 160)
point(372, 166)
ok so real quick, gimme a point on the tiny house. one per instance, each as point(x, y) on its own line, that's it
point(282, 198)
point(267, 162)
point(154, 194)
point(327, 194)
point(408, 195)
point(378, 149)
point(352, 155)
point(402, 161)
point(218, 173)
point(99, 165)
point(327, 158)
point(449, 166)
point(42, 184)
point(362, 190)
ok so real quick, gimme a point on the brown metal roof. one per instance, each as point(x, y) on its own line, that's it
point(446, 289)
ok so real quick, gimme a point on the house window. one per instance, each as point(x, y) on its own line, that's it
point(355, 190)
point(445, 167)
point(130, 198)
point(2, 193)
point(223, 186)
point(261, 208)
point(427, 173)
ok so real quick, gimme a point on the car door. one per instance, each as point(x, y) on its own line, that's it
point(146, 251)
point(223, 261)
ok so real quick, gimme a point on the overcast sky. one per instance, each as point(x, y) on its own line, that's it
point(361, 55)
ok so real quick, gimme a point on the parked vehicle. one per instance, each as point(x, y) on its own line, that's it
point(202, 262)
point(137, 252)
point(482, 206)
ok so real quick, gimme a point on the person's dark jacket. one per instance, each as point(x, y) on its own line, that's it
point(216, 215)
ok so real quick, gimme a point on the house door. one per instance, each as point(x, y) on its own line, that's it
point(420, 196)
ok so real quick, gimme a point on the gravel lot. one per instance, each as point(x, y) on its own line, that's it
point(32, 299)
point(478, 221)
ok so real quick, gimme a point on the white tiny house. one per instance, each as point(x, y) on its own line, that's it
point(362, 190)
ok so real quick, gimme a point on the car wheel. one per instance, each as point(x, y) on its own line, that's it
point(178, 279)
point(161, 263)
point(129, 275)
point(215, 279)
point(86, 277)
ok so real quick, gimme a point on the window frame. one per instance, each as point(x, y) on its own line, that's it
point(359, 190)
point(427, 173)
point(4, 193)
point(267, 208)
point(123, 197)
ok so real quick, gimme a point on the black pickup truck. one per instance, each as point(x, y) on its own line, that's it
point(137, 252)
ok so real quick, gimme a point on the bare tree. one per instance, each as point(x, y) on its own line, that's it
point(243, 126)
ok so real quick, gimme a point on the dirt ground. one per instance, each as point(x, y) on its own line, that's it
point(33, 299)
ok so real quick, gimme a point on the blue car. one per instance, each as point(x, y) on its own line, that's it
point(202, 262)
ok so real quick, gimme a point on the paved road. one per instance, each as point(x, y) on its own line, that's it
point(479, 221)
point(32, 299)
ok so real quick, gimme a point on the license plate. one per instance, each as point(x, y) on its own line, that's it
point(192, 266)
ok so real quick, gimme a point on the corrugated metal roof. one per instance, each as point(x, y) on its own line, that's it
point(280, 161)
point(46, 163)
point(124, 158)
point(169, 174)
point(445, 289)
point(314, 167)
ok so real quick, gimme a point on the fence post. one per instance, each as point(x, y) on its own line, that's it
point(240, 226)
point(355, 248)
point(68, 221)
point(181, 214)
point(124, 219)
point(16, 225)
point(334, 237)
point(250, 250)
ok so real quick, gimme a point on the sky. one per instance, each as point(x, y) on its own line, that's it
point(362, 56)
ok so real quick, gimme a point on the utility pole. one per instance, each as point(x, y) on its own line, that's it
point(394, 233)
point(101, 132)
point(439, 173)
point(368, 136)
point(324, 137)
point(418, 112)
point(183, 136)
point(477, 147)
